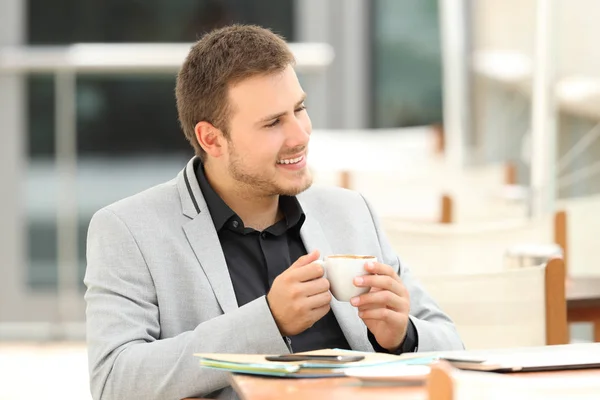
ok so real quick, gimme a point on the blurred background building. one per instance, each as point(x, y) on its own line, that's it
point(512, 82)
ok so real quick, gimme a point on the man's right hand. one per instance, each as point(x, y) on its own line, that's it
point(299, 296)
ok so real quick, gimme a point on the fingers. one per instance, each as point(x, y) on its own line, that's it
point(305, 268)
point(383, 314)
point(380, 299)
point(387, 291)
point(318, 300)
point(306, 259)
point(383, 282)
point(318, 313)
point(308, 272)
point(380, 269)
point(302, 290)
point(316, 286)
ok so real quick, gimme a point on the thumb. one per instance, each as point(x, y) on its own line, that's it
point(307, 259)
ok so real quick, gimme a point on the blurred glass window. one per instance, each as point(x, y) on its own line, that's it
point(406, 66)
point(127, 128)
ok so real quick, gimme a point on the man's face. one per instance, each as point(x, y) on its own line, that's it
point(269, 131)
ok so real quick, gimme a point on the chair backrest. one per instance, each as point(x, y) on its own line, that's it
point(582, 230)
point(404, 176)
point(452, 248)
point(511, 308)
point(422, 192)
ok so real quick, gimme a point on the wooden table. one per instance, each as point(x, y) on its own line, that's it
point(251, 388)
point(254, 388)
point(583, 302)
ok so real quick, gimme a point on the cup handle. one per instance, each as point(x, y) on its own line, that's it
point(322, 264)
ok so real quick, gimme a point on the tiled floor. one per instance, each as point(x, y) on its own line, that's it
point(43, 371)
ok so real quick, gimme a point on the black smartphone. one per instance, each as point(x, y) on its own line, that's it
point(325, 358)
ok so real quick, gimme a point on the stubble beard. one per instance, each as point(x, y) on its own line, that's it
point(261, 185)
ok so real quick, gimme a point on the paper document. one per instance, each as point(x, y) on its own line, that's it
point(256, 364)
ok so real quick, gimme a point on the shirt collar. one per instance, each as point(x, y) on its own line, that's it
point(292, 211)
point(220, 212)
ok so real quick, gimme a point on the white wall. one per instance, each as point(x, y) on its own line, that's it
point(578, 29)
point(506, 25)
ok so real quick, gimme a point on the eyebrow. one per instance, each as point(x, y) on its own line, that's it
point(281, 114)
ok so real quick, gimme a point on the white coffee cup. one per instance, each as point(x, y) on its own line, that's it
point(340, 271)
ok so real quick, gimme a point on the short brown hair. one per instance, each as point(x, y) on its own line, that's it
point(218, 60)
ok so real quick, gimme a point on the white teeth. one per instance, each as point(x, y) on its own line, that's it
point(291, 161)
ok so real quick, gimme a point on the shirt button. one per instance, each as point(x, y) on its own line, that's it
point(263, 235)
point(235, 224)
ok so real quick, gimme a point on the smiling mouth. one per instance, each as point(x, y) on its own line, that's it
point(290, 160)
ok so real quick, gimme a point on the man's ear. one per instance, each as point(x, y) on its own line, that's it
point(210, 138)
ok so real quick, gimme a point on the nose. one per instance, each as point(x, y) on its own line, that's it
point(299, 130)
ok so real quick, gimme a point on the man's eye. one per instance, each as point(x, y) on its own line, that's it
point(271, 125)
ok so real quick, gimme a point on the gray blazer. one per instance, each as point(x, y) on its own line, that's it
point(158, 291)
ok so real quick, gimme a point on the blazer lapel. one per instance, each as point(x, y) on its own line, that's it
point(347, 315)
point(203, 238)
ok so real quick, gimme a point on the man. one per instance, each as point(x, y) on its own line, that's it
point(222, 258)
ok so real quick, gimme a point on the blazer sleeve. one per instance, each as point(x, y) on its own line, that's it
point(435, 330)
point(126, 358)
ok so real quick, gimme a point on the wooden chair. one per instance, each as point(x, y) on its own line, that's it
point(511, 308)
point(405, 174)
point(455, 248)
point(429, 248)
point(437, 193)
point(575, 227)
point(579, 228)
point(440, 382)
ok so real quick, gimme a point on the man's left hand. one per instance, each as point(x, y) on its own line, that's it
point(384, 309)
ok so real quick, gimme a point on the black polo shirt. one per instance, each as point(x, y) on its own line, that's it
point(254, 259)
